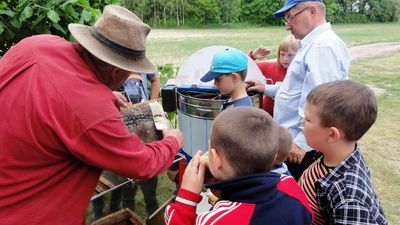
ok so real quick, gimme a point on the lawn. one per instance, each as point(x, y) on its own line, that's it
point(381, 144)
point(174, 45)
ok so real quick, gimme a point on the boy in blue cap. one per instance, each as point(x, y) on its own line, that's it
point(228, 70)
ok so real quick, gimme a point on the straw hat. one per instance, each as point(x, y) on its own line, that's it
point(118, 38)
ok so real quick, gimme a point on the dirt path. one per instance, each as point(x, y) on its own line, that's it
point(374, 50)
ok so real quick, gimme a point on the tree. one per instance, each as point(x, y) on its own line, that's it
point(230, 10)
point(261, 11)
point(204, 11)
point(20, 19)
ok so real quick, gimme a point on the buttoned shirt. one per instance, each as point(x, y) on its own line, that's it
point(346, 194)
point(322, 57)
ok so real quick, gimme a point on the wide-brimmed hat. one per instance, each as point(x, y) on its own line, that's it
point(118, 38)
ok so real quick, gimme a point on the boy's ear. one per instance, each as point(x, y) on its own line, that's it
point(216, 158)
point(236, 76)
point(334, 134)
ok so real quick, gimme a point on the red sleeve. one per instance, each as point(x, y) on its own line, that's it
point(109, 145)
point(250, 54)
point(265, 68)
point(180, 213)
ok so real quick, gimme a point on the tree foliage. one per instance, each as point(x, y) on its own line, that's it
point(20, 19)
point(166, 13)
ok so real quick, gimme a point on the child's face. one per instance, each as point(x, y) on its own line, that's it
point(225, 83)
point(316, 135)
point(286, 57)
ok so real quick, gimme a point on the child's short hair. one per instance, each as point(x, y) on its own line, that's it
point(242, 74)
point(285, 145)
point(347, 105)
point(248, 137)
point(289, 42)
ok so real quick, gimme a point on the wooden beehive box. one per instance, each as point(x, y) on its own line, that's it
point(122, 217)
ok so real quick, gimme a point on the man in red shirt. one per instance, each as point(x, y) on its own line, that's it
point(60, 124)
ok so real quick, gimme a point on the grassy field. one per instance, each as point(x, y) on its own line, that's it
point(174, 45)
point(381, 144)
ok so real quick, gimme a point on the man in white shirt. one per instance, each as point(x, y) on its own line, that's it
point(322, 57)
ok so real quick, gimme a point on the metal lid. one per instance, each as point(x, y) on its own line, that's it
point(198, 64)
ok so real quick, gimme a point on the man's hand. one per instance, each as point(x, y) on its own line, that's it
point(255, 85)
point(121, 100)
point(193, 178)
point(176, 134)
point(296, 155)
point(260, 52)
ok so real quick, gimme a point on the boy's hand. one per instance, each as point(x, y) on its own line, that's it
point(296, 155)
point(193, 178)
point(260, 52)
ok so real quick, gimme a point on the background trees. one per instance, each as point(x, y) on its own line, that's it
point(19, 19)
point(167, 13)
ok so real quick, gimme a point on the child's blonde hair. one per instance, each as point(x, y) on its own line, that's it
point(290, 42)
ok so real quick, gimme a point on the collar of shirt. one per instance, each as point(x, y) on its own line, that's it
point(352, 160)
point(309, 38)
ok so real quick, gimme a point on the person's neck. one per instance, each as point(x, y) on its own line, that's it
point(338, 153)
point(105, 79)
point(317, 23)
point(238, 93)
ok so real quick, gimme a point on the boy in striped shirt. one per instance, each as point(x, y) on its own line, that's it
point(338, 185)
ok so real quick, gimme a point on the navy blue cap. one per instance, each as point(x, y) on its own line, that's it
point(290, 4)
point(229, 60)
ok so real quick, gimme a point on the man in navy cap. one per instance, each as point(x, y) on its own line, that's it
point(322, 57)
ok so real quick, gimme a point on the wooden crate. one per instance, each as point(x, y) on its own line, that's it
point(103, 184)
point(157, 218)
point(122, 217)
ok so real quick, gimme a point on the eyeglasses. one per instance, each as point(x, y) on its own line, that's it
point(289, 19)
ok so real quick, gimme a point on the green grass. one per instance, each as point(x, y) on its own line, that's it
point(165, 189)
point(174, 45)
point(380, 145)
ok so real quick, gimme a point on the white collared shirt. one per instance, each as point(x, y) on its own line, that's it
point(322, 57)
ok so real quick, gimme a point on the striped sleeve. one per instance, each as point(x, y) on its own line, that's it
point(307, 183)
point(183, 210)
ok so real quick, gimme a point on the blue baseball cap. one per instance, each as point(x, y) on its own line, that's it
point(229, 60)
point(290, 4)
